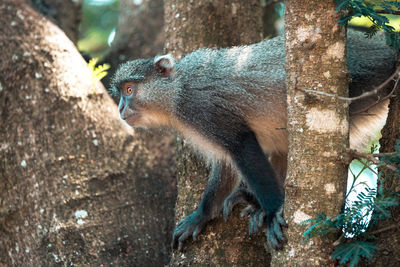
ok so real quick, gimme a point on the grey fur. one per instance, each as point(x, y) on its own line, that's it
point(249, 82)
point(212, 96)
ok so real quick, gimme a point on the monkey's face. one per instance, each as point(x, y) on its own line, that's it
point(143, 87)
point(129, 112)
point(138, 108)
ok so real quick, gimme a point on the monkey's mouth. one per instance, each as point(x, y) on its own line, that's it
point(132, 120)
point(130, 116)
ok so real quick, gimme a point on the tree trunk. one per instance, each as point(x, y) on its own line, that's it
point(76, 185)
point(317, 126)
point(139, 33)
point(65, 13)
point(389, 241)
point(190, 25)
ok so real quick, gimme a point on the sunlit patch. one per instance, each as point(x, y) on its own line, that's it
point(325, 121)
point(299, 216)
point(330, 188)
point(243, 58)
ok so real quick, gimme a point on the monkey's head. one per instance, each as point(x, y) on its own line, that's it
point(144, 87)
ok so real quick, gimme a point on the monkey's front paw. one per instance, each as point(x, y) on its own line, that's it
point(189, 226)
point(275, 236)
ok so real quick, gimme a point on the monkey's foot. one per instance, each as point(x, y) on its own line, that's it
point(240, 195)
point(253, 209)
point(189, 226)
point(275, 236)
point(257, 217)
point(236, 197)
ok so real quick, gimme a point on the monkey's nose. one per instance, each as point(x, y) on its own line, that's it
point(121, 106)
point(121, 109)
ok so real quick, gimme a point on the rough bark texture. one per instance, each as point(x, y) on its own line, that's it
point(139, 33)
point(66, 14)
point(76, 186)
point(317, 126)
point(389, 241)
point(191, 25)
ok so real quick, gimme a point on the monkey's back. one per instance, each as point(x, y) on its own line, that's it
point(245, 82)
point(248, 84)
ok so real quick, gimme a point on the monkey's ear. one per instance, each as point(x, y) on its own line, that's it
point(165, 65)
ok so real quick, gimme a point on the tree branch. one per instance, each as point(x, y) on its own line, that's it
point(364, 95)
point(381, 99)
point(384, 229)
point(358, 155)
point(381, 11)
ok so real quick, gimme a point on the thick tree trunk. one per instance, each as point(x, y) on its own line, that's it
point(76, 186)
point(317, 126)
point(389, 241)
point(139, 33)
point(191, 25)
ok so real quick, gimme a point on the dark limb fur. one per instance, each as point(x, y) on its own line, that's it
point(261, 180)
point(220, 184)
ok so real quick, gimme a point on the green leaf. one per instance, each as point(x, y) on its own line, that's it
point(92, 63)
point(341, 4)
point(351, 252)
point(100, 71)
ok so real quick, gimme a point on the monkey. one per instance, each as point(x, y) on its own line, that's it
point(230, 105)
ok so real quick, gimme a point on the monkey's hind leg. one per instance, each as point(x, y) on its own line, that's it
point(263, 183)
point(243, 195)
point(221, 183)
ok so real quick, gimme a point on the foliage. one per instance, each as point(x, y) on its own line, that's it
point(358, 8)
point(98, 72)
point(355, 221)
point(352, 252)
point(99, 19)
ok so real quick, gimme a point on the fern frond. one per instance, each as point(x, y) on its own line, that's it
point(351, 252)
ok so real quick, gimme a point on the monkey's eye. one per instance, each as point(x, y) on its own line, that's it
point(127, 88)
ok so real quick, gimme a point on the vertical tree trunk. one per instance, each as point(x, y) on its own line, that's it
point(191, 25)
point(76, 186)
point(389, 241)
point(317, 126)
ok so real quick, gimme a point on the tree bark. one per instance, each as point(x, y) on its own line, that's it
point(388, 253)
point(139, 33)
point(77, 187)
point(190, 25)
point(317, 126)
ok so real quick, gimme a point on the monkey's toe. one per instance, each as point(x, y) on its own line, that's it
point(256, 221)
point(238, 196)
point(275, 237)
point(189, 226)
